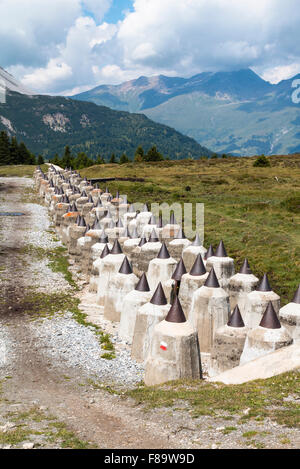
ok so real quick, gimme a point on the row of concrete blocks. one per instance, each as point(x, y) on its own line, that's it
point(167, 315)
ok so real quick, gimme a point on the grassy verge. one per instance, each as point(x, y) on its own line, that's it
point(261, 398)
point(58, 260)
point(20, 170)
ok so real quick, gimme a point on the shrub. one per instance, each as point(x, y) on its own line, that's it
point(261, 162)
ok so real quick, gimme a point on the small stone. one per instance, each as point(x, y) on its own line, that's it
point(214, 446)
point(28, 446)
point(246, 411)
point(7, 427)
point(219, 429)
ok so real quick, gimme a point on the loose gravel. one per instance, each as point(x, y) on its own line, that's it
point(70, 344)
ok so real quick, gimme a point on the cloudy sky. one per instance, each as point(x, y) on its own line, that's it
point(69, 46)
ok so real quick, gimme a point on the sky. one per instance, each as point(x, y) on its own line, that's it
point(69, 46)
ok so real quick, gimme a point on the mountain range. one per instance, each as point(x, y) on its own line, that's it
point(46, 124)
point(229, 112)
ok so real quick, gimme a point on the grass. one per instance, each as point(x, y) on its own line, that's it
point(51, 431)
point(263, 397)
point(20, 170)
point(58, 260)
point(254, 210)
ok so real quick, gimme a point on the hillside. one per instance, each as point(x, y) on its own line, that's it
point(232, 112)
point(47, 124)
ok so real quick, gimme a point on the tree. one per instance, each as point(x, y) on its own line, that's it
point(124, 159)
point(25, 157)
point(4, 149)
point(14, 152)
point(113, 159)
point(40, 160)
point(100, 160)
point(139, 155)
point(56, 160)
point(66, 161)
point(153, 155)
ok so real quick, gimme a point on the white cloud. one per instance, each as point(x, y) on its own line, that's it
point(55, 47)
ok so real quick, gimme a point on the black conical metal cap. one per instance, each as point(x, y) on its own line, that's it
point(236, 319)
point(264, 284)
point(126, 233)
point(90, 201)
point(197, 241)
point(106, 190)
point(159, 297)
point(180, 234)
point(99, 203)
point(212, 281)
point(116, 249)
point(103, 237)
point(67, 201)
point(245, 269)
point(96, 185)
point(179, 271)
point(152, 220)
point(78, 219)
point(87, 228)
point(142, 242)
point(125, 267)
point(74, 208)
point(221, 251)
point(119, 224)
point(82, 222)
point(153, 237)
point(160, 222)
point(145, 208)
point(172, 219)
point(209, 253)
point(83, 194)
point(112, 224)
point(176, 313)
point(198, 268)
point(97, 225)
point(270, 319)
point(142, 284)
point(105, 252)
point(296, 298)
point(163, 253)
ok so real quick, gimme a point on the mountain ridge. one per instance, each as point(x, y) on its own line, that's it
point(243, 113)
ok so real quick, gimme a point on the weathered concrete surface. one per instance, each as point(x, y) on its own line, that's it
point(160, 270)
point(238, 288)
point(188, 285)
point(108, 267)
point(131, 305)
point(275, 363)
point(209, 311)
point(261, 341)
point(289, 316)
point(190, 253)
point(256, 304)
point(224, 269)
point(146, 319)
point(117, 289)
point(227, 348)
point(180, 357)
